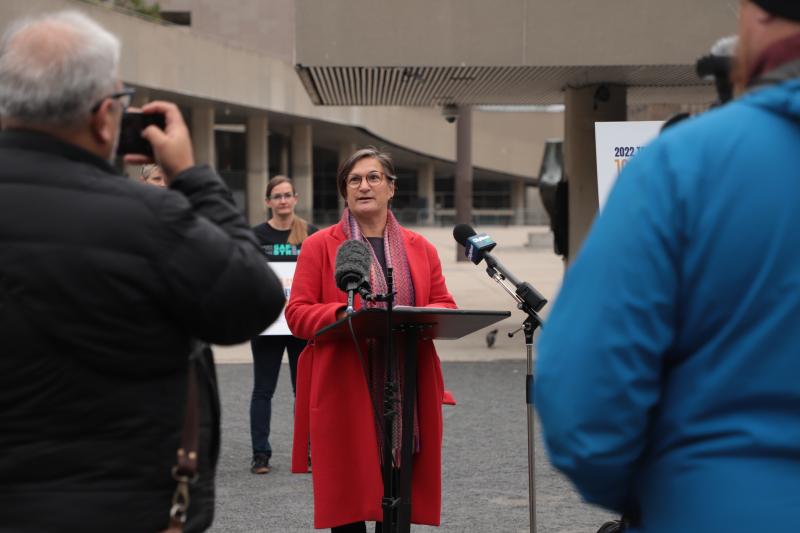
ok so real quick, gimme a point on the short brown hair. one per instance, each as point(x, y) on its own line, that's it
point(370, 151)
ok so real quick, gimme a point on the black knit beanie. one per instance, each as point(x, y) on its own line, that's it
point(788, 9)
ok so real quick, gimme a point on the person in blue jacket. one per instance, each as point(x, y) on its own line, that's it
point(668, 373)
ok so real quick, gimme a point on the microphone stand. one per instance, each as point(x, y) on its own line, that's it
point(530, 301)
point(390, 502)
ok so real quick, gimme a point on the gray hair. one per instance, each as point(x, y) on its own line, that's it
point(55, 67)
point(147, 170)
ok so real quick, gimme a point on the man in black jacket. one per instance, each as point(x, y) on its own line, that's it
point(105, 283)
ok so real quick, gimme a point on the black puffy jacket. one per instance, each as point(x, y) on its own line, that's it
point(104, 284)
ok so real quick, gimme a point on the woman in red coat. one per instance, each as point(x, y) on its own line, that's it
point(334, 410)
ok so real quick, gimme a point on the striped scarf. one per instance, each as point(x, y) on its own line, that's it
point(374, 367)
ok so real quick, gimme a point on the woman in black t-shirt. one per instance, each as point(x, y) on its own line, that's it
point(280, 237)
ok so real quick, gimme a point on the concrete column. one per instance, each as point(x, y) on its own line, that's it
point(535, 208)
point(203, 135)
point(283, 167)
point(303, 170)
point(345, 151)
point(518, 201)
point(257, 168)
point(584, 107)
point(426, 189)
point(463, 184)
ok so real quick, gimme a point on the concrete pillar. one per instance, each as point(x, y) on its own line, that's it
point(303, 170)
point(346, 149)
point(536, 214)
point(203, 135)
point(283, 166)
point(463, 184)
point(257, 168)
point(426, 189)
point(518, 201)
point(584, 107)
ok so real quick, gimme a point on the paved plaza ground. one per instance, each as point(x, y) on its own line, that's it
point(473, 289)
point(485, 444)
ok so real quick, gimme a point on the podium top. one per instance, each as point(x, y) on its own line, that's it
point(432, 322)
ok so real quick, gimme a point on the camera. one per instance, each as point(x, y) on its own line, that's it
point(130, 135)
point(601, 95)
point(718, 65)
point(450, 113)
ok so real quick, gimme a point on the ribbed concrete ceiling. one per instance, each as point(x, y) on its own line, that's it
point(434, 86)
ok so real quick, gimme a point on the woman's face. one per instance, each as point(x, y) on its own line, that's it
point(282, 200)
point(368, 196)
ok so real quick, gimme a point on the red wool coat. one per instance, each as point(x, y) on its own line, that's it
point(333, 404)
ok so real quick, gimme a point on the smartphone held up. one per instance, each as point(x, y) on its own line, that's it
point(130, 136)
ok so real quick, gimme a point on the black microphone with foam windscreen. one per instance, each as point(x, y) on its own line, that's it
point(353, 263)
point(477, 247)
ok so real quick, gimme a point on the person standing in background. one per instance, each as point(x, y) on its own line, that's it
point(153, 175)
point(280, 237)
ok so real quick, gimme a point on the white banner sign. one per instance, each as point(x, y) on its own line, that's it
point(616, 143)
point(285, 273)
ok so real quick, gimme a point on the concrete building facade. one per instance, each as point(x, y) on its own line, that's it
point(596, 58)
point(293, 86)
point(232, 71)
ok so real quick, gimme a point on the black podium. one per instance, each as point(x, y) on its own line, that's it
point(411, 325)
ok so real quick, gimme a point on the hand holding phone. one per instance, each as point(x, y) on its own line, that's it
point(130, 135)
point(171, 145)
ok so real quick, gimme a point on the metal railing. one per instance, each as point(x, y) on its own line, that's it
point(447, 217)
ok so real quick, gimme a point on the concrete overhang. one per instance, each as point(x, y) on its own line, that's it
point(423, 53)
point(191, 68)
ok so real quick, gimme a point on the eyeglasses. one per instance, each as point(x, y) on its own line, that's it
point(125, 96)
point(284, 196)
point(373, 179)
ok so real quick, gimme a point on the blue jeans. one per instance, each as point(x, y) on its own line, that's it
point(267, 355)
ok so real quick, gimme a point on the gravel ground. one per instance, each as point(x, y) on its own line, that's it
point(485, 477)
point(484, 472)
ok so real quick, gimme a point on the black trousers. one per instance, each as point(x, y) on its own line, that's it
point(267, 355)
